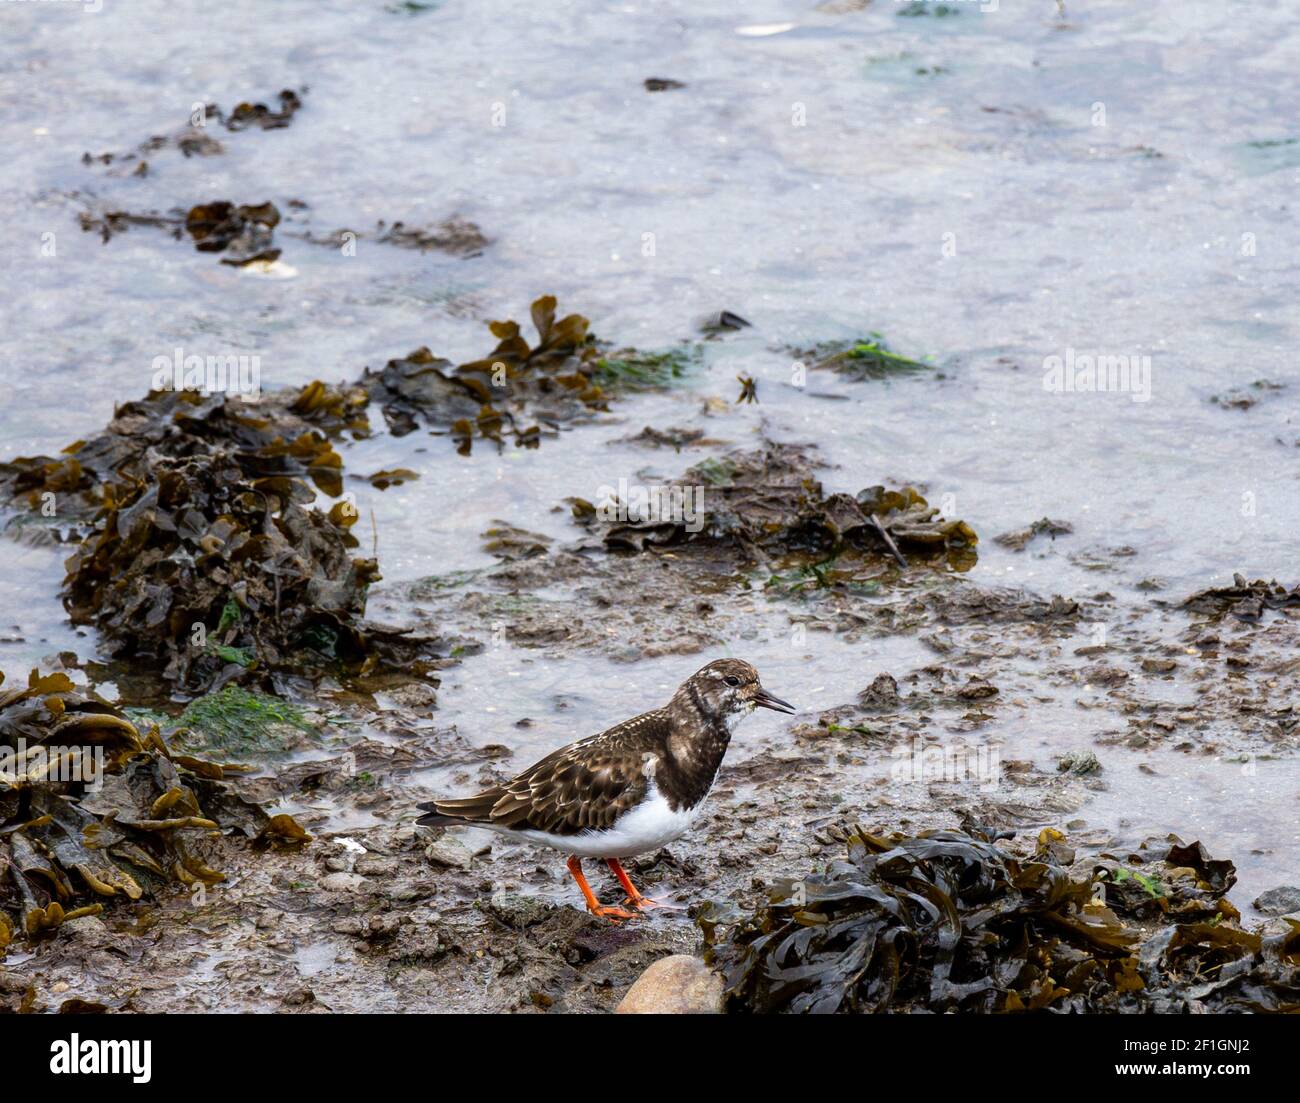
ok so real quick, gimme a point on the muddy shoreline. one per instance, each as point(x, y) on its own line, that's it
point(817, 281)
point(373, 914)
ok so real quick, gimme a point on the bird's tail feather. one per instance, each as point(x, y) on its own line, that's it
point(448, 813)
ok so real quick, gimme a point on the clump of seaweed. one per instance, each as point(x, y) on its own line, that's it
point(1246, 601)
point(518, 392)
point(243, 230)
point(767, 503)
point(1019, 539)
point(283, 437)
point(246, 230)
point(632, 370)
point(455, 235)
point(1243, 398)
point(240, 722)
point(108, 223)
point(93, 810)
point(194, 139)
point(951, 921)
point(200, 567)
point(200, 544)
point(867, 358)
point(515, 390)
point(245, 115)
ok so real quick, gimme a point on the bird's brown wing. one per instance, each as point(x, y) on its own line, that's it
point(574, 789)
point(588, 784)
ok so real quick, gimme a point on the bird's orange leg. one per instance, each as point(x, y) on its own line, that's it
point(594, 906)
point(641, 903)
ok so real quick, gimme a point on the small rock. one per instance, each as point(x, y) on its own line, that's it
point(446, 851)
point(1079, 762)
point(1018, 539)
point(381, 927)
point(1279, 901)
point(1159, 666)
point(1100, 674)
point(977, 689)
point(90, 930)
point(723, 320)
point(518, 910)
point(414, 695)
point(881, 694)
point(342, 882)
point(412, 888)
point(676, 985)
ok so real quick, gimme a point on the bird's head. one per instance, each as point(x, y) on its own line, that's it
point(726, 690)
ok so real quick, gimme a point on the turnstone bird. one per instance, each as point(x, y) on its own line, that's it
point(627, 791)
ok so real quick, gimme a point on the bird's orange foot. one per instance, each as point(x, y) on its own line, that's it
point(608, 911)
point(649, 903)
point(599, 910)
point(634, 897)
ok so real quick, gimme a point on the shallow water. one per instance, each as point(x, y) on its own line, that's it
point(1120, 239)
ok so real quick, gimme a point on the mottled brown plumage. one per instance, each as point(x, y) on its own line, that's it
point(628, 789)
point(592, 782)
point(584, 785)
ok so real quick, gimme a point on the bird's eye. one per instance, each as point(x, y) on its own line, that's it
point(731, 680)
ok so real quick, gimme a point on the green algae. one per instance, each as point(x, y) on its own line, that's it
point(633, 370)
point(242, 722)
point(866, 358)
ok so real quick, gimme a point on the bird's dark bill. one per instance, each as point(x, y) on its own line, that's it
point(766, 700)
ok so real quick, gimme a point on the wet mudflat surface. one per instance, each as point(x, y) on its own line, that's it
point(942, 180)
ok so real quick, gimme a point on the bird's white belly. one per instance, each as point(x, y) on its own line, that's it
point(648, 826)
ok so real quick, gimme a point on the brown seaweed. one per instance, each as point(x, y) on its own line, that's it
point(244, 230)
point(514, 391)
point(1246, 601)
point(283, 436)
point(952, 921)
point(199, 545)
point(94, 811)
point(194, 139)
point(245, 115)
point(1019, 539)
point(768, 502)
point(221, 225)
point(247, 230)
point(454, 235)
